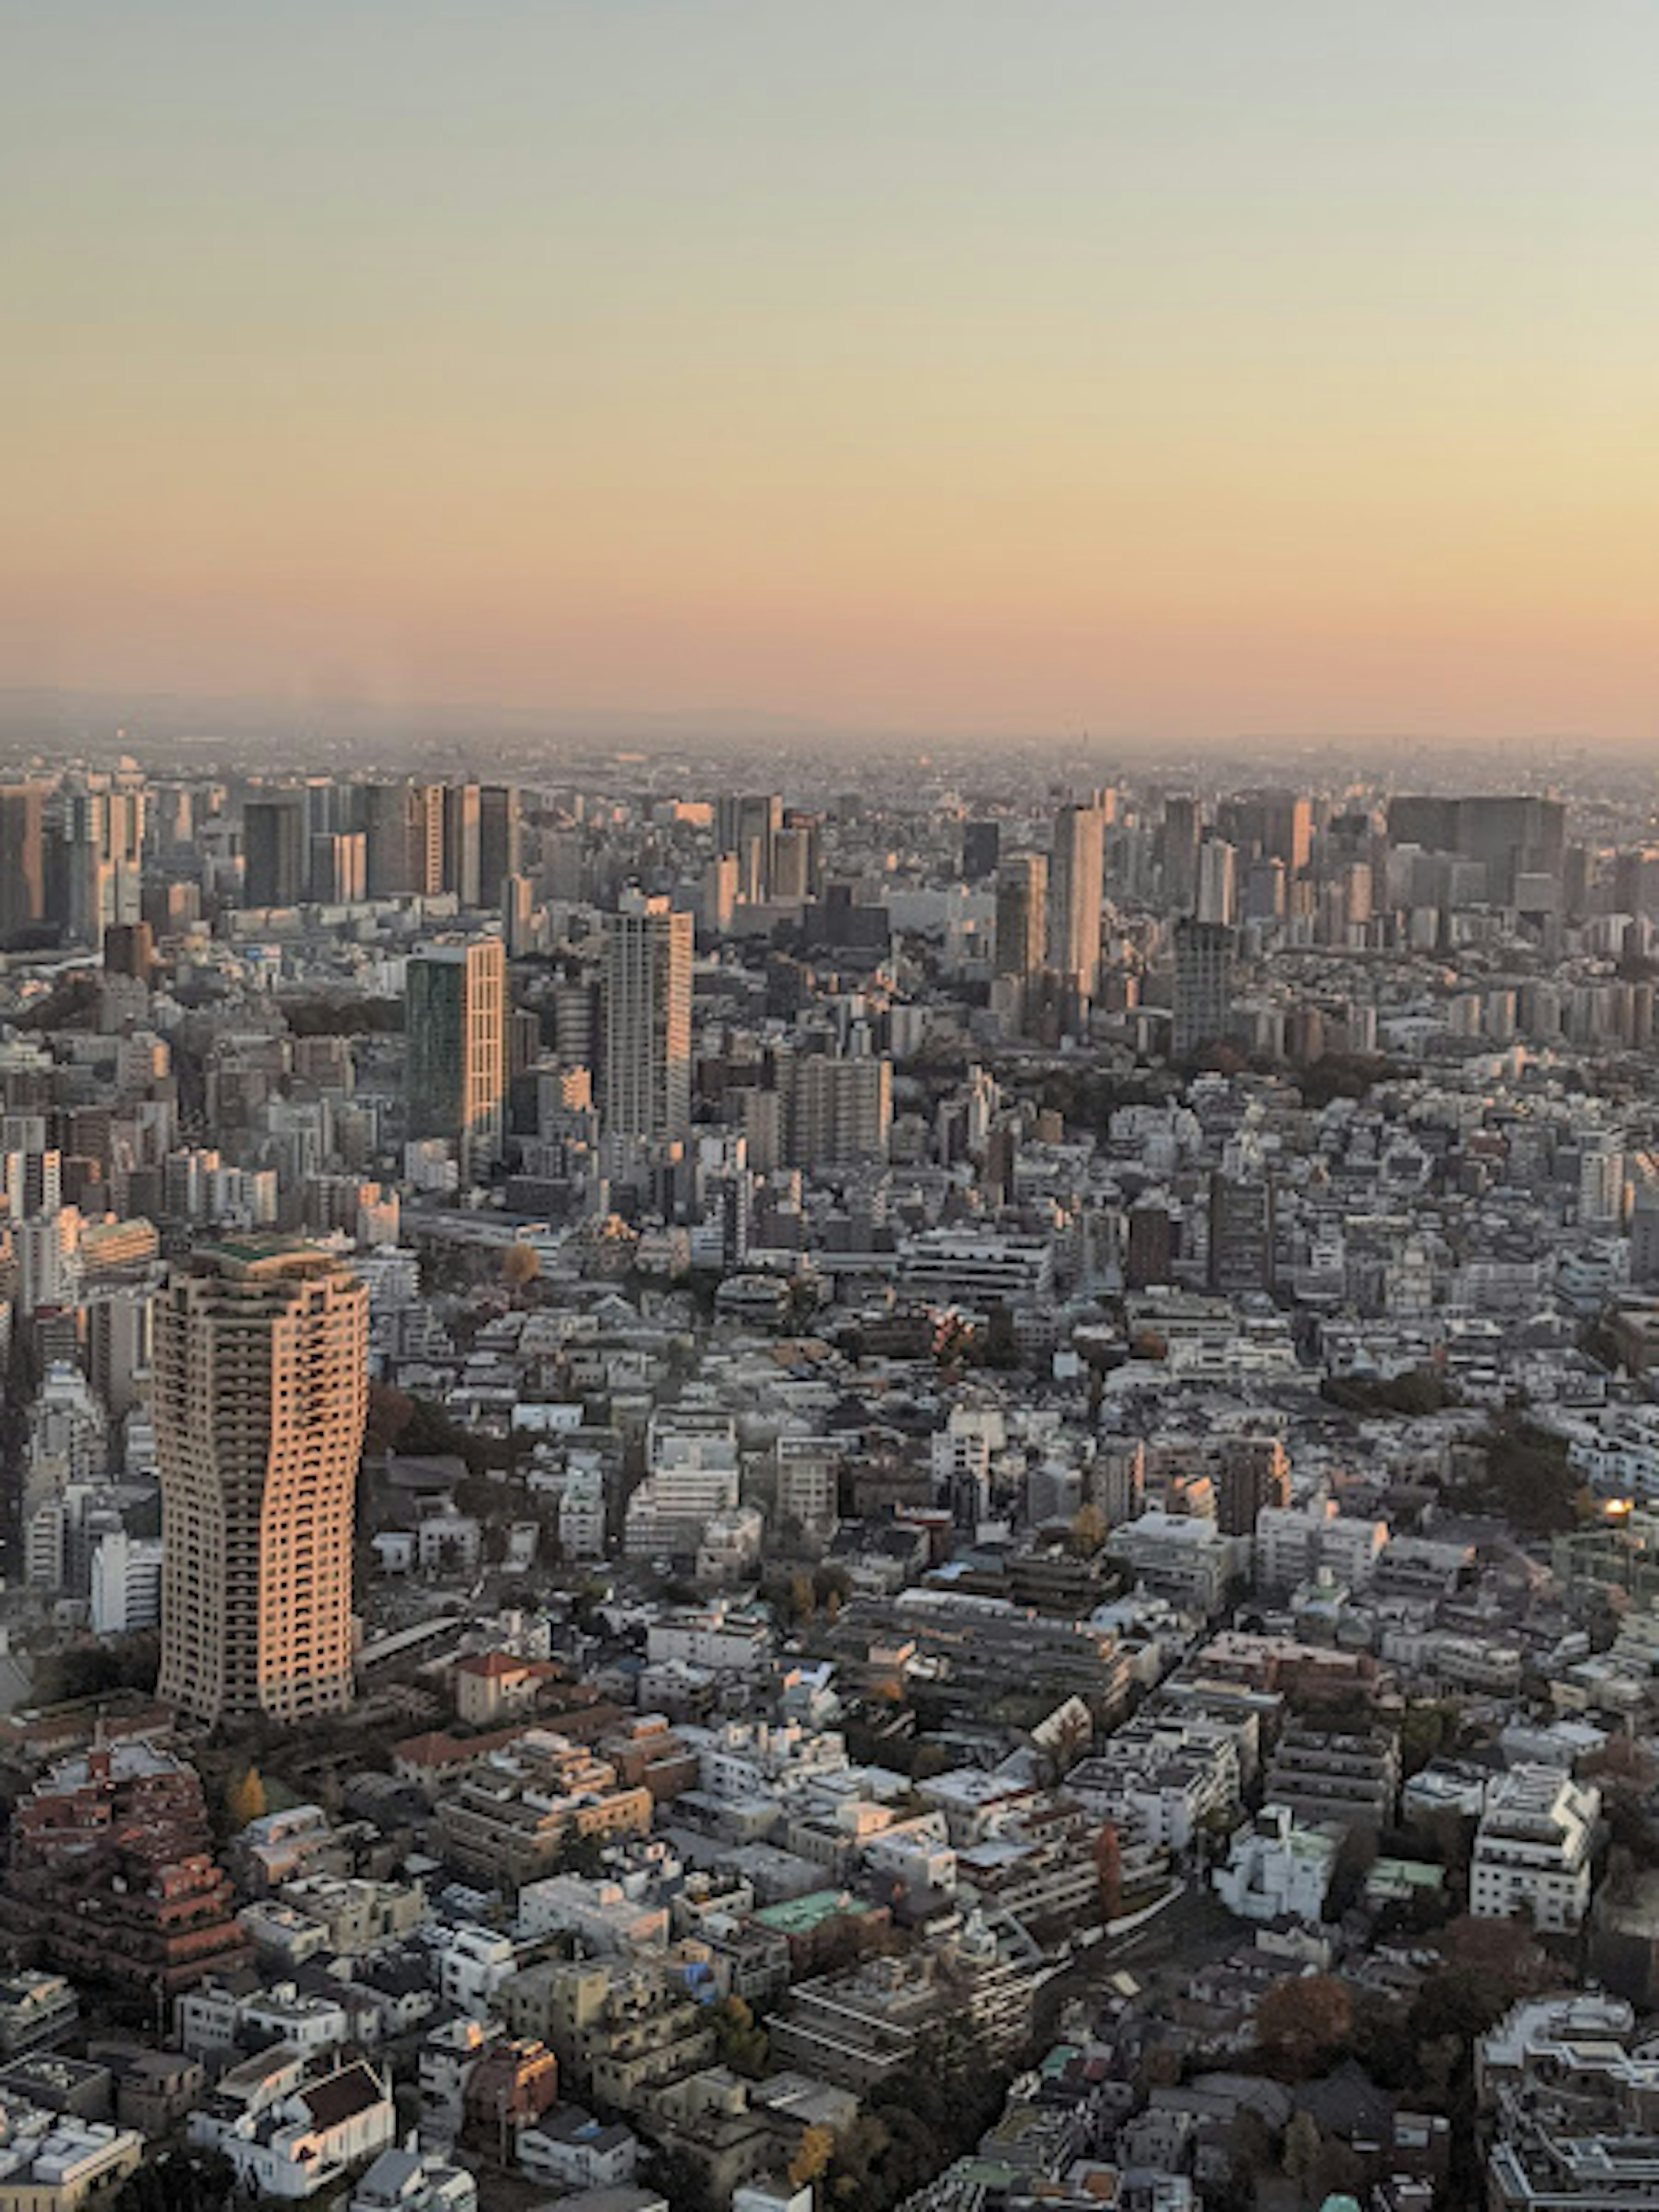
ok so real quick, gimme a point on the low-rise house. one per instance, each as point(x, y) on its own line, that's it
point(569, 2148)
point(291, 2126)
point(410, 2181)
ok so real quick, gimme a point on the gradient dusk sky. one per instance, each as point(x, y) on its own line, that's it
point(1174, 369)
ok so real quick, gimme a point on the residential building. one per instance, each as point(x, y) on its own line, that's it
point(261, 1391)
point(1533, 1849)
point(455, 1019)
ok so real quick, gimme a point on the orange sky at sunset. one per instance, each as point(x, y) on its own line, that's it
point(987, 369)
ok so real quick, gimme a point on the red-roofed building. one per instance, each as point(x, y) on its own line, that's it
point(491, 1684)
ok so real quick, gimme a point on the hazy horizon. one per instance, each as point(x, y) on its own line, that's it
point(924, 372)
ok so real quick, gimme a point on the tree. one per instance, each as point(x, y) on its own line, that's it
point(681, 2179)
point(390, 1412)
point(1428, 1731)
point(741, 2042)
point(1302, 2145)
point(1356, 1855)
point(521, 1265)
point(245, 1800)
point(1088, 1532)
point(831, 1583)
point(813, 2152)
point(1302, 2024)
point(179, 2181)
point(1109, 1872)
point(1525, 1475)
point(1487, 1965)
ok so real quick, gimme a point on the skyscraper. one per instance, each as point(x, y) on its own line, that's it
point(1217, 881)
point(102, 837)
point(463, 824)
point(1077, 882)
point(455, 1021)
point(22, 859)
point(1274, 825)
point(745, 825)
point(647, 1021)
point(1183, 826)
point(275, 850)
point(260, 1393)
point(1204, 984)
point(981, 849)
point(499, 841)
point(388, 817)
point(1021, 914)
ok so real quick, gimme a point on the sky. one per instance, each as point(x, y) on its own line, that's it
point(1172, 370)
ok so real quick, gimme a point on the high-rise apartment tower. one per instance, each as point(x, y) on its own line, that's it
point(260, 1393)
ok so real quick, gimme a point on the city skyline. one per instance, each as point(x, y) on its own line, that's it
point(830, 1107)
point(1163, 376)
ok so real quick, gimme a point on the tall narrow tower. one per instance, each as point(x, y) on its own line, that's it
point(1022, 912)
point(1076, 888)
point(647, 1021)
point(455, 1017)
point(260, 1393)
point(1204, 953)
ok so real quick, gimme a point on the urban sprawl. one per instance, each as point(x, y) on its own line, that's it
point(942, 1495)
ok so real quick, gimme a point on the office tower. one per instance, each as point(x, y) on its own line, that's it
point(523, 1040)
point(1357, 889)
point(23, 860)
point(718, 900)
point(1022, 915)
point(1429, 821)
point(339, 867)
point(260, 1393)
point(388, 817)
point(794, 850)
point(1269, 826)
point(463, 824)
point(518, 903)
point(1076, 884)
point(1514, 837)
point(101, 839)
point(170, 820)
point(1577, 877)
point(129, 949)
point(500, 844)
point(275, 850)
point(428, 851)
point(981, 849)
point(1636, 881)
point(647, 1021)
point(1218, 881)
point(1205, 952)
point(1264, 891)
point(1183, 825)
point(1510, 835)
point(576, 1024)
point(170, 908)
point(455, 1023)
point(746, 827)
